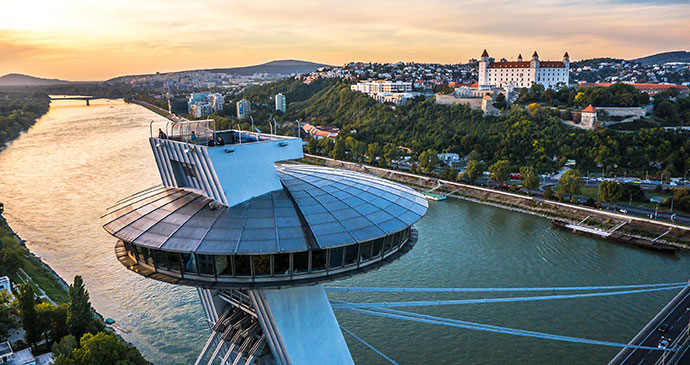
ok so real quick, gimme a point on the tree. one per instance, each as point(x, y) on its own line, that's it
point(10, 256)
point(311, 146)
point(428, 161)
point(548, 193)
point(102, 348)
point(633, 191)
point(373, 151)
point(500, 102)
point(610, 191)
point(533, 108)
point(8, 315)
point(500, 171)
point(338, 152)
point(27, 313)
point(473, 170)
point(326, 145)
point(570, 182)
point(79, 315)
point(65, 346)
point(530, 179)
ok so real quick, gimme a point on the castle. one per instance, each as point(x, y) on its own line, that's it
point(522, 73)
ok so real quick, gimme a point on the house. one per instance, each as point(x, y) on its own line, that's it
point(6, 285)
point(588, 117)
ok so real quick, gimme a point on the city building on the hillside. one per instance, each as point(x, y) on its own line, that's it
point(588, 117)
point(244, 108)
point(396, 92)
point(521, 73)
point(200, 108)
point(6, 285)
point(202, 102)
point(281, 103)
point(651, 89)
point(318, 132)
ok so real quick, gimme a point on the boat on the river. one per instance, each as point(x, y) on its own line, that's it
point(613, 236)
point(434, 196)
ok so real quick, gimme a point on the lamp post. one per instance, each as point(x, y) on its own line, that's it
point(299, 129)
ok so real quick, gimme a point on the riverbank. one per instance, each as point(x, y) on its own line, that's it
point(678, 236)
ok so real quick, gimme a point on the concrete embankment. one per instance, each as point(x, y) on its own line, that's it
point(636, 226)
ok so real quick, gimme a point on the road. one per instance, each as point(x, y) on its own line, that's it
point(676, 316)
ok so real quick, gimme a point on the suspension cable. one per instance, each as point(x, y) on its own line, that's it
point(368, 345)
point(340, 305)
point(479, 290)
point(414, 317)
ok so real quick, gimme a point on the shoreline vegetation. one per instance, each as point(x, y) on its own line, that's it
point(44, 312)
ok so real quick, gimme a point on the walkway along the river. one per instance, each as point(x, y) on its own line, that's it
point(678, 235)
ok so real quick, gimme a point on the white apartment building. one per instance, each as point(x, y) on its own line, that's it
point(244, 108)
point(396, 92)
point(281, 103)
point(521, 73)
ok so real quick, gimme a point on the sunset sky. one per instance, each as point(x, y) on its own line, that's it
point(97, 40)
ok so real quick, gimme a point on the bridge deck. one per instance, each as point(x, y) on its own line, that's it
point(671, 323)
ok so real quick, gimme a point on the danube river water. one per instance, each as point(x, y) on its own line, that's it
point(58, 178)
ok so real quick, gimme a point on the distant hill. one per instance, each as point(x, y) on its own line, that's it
point(26, 80)
point(659, 58)
point(280, 67)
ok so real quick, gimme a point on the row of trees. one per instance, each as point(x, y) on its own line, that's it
point(19, 112)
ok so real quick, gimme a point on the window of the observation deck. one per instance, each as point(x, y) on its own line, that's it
point(159, 259)
point(262, 265)
point(300, 262)
point(223, 265)
point(188, 263)
point(318, 260)
point(387, 243)
point(173, 261)
point(336, 258)
point(365, 251)
point(377, 247)
point(205, 263)
point(146, 253)
point(243, 266)
point(351, 253)
point(281, 264)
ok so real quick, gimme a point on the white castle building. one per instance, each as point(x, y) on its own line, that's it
point(522, 73)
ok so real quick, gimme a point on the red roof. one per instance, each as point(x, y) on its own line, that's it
point(526, 64)
point(485, 53)
point(474, 86)
point(589, 109)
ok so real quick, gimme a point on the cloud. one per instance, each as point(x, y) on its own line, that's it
point(96, 39)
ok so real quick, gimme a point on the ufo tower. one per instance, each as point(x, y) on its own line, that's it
point(257, 235)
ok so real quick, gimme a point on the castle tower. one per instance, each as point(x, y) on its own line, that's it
point(534, 68)
point(484, 71)
point(257, 238)
point(519, 57)
point(566, 61)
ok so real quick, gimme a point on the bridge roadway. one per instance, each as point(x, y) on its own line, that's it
point(676, 318)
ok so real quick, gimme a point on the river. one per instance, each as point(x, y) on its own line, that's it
point(58, 178)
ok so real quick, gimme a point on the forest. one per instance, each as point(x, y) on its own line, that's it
point(533, 137)
point(19, 112)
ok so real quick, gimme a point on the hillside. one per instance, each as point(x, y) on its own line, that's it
point(280, 67)
point(22, 80)
point(659, 58)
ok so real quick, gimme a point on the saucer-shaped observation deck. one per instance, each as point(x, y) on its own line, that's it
point(227, 217)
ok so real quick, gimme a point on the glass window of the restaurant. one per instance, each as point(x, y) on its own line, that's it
point(300, 262)
point(159, 259)
point(188, 263)
point(205, 263)
point(387, 243)
point(262, 265)
point(365, 252)
point(377, 247)
point(281, 264)
point(223, 267)
point(243, 266)
point(351, 252)
point(336, 259)
point(147, 255)
point(173, 261)
point(318, 260)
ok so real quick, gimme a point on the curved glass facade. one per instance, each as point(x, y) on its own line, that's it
point(282, 266)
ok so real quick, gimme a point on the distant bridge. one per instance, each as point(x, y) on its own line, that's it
point(87, 98)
